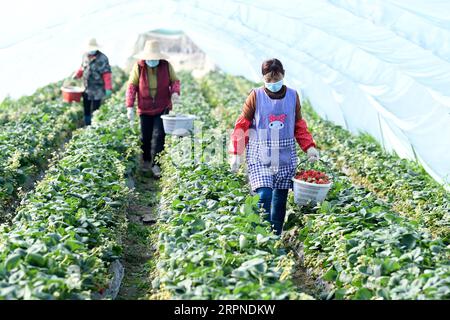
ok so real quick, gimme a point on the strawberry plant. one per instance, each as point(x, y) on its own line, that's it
point(26, 146)
point(360, 241)
point(366, 250)
point(15, 110)
point(67, 231)
point(382, 233)
point(402, 183)
point(212, 243)
point(40, 128)
point(222, 94)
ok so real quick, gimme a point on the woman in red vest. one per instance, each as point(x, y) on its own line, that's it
point(157, 87)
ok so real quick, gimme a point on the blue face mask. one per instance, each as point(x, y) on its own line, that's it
point(93, 52)
point(152, 63)
point(275, 86)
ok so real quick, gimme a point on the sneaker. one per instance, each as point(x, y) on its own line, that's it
point(146, 166)
point(156, 171)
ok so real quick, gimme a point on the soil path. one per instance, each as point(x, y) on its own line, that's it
point(138, 250)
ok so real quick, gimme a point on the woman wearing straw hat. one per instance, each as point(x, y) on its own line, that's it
point(157, 87)
point(96, 73)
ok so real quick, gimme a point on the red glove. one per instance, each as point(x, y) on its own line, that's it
point(108, 80)
point(239, 137)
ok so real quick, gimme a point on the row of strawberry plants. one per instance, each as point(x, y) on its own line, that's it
point(403, 183)
point(366, 248)
point(224, 96)
point(11, 109)
point(212, 241)
point(194, 103)
point(67, 231)
point(28, 142)
point(14, 110)
point(26, 146)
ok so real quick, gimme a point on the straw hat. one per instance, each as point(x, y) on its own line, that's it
point(151, 51)
point(92, 45)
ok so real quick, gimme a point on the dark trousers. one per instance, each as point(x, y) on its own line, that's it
point(274, 203)
point(89, 107)
point(153, 137)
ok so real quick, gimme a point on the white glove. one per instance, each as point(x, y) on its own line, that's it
point(235, 162)
point(175, 98)
point(130, 114)
point(313, 154)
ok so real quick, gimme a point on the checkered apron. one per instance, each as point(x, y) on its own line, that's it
point(271, 156)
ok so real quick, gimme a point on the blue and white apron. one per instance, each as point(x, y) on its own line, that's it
point(271, 155)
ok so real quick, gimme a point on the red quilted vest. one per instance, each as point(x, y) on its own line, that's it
point(147, 104)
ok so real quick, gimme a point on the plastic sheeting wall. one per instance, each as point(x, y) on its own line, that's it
point(375, 66)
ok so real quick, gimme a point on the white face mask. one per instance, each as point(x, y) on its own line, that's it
point(274, 86)
point(92, 52)
point(152, 63)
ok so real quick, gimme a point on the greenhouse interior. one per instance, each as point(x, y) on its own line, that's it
point(225, 150)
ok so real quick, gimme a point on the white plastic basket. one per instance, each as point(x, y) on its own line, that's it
point(306, 192)
point(178, 125)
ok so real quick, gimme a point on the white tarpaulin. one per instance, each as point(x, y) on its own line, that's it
point(375, 66)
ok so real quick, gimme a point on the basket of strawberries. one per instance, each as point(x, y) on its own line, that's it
point(310, 186)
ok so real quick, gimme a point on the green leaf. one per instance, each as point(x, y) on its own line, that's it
point(73, 245)
point(330, 275)
point(36, 259)
point(253, 262)
point(363, 294)
point(340, 294)
point(408, 241)
point(12, 261)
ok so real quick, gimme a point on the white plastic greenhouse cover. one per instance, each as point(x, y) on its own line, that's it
point(375, 66)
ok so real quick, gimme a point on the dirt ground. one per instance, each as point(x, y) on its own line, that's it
point(138, 250)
